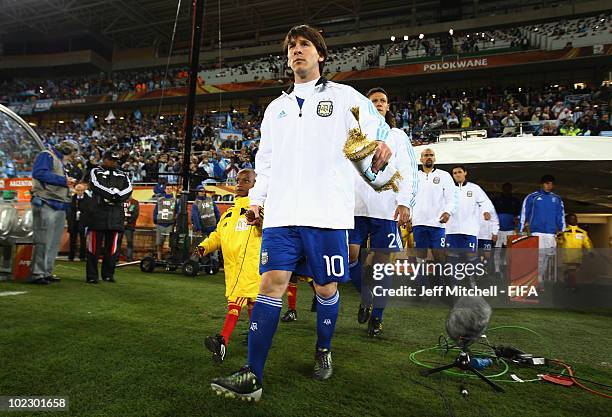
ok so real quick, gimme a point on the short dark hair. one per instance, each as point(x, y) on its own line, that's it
point(547, 178)
point(389, 117)
point(313, 35)
point(459, 166)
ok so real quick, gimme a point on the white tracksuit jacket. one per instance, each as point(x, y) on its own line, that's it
point(437, 194)
point(472, 203)
point(303, 177)
point(369, 203)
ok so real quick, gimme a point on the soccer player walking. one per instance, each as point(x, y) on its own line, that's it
point(307, 186)
point(436, 201)
point(462, 229)
point(377, 215)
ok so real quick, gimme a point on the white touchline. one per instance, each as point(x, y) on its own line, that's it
point(7, 293)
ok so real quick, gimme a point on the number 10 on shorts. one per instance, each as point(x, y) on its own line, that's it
point(334, 265)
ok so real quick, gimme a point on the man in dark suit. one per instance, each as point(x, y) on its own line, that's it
point(76, 223)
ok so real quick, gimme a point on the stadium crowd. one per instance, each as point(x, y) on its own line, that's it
point(151, 148)
point(552, 110)
point(355, 57)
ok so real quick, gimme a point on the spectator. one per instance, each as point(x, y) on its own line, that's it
point(466, 121)
point(453, 121)
point(510, 123)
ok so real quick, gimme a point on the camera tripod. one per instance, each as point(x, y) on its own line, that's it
point(462, 361)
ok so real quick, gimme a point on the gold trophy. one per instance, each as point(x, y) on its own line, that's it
point(360, 151)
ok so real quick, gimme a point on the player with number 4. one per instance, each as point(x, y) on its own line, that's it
point(462, 229)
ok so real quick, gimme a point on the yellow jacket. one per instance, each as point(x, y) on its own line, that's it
point(240, 244)
point(573, 239)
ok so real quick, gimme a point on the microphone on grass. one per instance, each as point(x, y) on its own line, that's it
point(468, 319)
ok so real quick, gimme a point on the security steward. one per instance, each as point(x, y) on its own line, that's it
point(109, 188)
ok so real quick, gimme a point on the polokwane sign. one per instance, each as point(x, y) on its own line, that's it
point(455, 65)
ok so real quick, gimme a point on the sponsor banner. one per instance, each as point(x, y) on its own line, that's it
point(455, 65)
point(71, 102)
point(462, 64)
point(21, 186)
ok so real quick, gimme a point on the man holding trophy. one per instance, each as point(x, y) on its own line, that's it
point(305, 181)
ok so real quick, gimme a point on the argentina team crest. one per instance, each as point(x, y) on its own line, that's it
point(436, 180)
point(264, 256)
point(325, 108)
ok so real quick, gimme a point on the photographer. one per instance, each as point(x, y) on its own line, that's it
point(50, 202)
point(110, 188)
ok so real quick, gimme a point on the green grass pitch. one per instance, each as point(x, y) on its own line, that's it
point(135, 349)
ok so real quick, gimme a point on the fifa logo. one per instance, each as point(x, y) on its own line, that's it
point(327, 322)
point(254, 326)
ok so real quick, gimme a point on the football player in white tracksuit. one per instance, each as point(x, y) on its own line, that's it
point(436, 201)
point(307, 186)
point(377, 215)
point(462, 228)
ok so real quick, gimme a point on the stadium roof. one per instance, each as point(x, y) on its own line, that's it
point(133, 23)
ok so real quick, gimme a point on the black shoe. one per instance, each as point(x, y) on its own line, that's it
point(53, 278)
point(375, 327)
point(242, 384)
point(109, 279)
point(39, 281)
point(323, 364)
point(216, 344)
point(313, 306)
point(364, 313)
point(92, 281)
point(290, 315)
